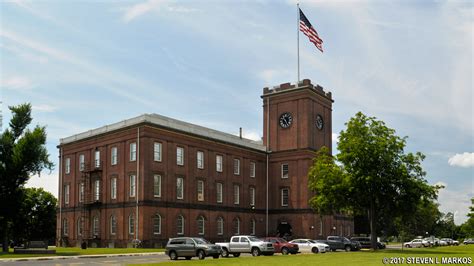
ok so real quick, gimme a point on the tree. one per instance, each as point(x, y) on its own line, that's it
point(23, 153)
point(467, 228)
point(375, 175)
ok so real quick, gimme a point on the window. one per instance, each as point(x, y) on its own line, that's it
point(65, 227)
point(219, 192)
point(131, 224)
point(97, 190)
point(252, 226)
point(236, 226)
point(97, 159)
point(180, 156)
point(284, 170)
point(219, 163)
point(179, 188)
point(236, 167)
point(113, 188)
point(321, 226)
point(220, 226)
point(113, 156)
point(95, 226)
point(157, 152)
point(200, 160)
point(200, 225)
point(133, 152)
point(252, 196)
point(157, 186)
point(66, 194)
point(81, 162)
point(113, 225)
point(68, 166)
point(180, 225)
point(157, 224)
point(236, 194)
point(81, 192)
point(252, 169)
point(133, 185)
point(200, 190)
point(284, 196)
point(80, 226)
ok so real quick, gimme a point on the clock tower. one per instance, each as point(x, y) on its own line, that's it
point(296, 123)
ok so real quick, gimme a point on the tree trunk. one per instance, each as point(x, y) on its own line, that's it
point(5, 237)
point(373, 225)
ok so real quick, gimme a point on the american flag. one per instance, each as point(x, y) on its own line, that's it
point(308, 30)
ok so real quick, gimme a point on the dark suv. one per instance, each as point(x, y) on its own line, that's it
point(366, 243)
point(189, 247)
point(340, 242)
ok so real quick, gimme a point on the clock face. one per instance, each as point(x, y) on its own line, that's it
point(319, 122)
point(285, 120)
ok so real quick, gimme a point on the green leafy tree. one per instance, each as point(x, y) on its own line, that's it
point(467, 228)
point(376, 175)
point(23, 153)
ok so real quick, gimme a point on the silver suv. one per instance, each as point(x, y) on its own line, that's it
point(189, 247)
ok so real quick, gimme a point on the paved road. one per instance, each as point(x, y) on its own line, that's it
point(110, 261)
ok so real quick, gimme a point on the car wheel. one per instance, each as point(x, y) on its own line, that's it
point(201, 254)
point(188, 258)
point(333, 249)
point(173, 255)
point(215, 256)
point(347, 248)
point(255, 252)
point(236, 255)
point(407, 246)
point(225, 253)
point(285, 251)
point(315, 250)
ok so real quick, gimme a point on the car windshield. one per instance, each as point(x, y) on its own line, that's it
point(254, 239)
point(201, 241)
point(345, 239)
point(313, 241)
point(281, 240)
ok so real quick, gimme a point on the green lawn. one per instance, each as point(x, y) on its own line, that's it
point(79, 251)
point(363, 258)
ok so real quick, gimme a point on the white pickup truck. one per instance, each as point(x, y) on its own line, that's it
point(246, 244)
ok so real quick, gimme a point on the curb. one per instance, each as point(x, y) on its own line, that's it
point(80, 256)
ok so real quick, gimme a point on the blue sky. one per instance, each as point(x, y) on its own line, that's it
point(410, 63)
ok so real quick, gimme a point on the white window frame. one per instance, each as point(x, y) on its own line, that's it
point(236, 194)
point(95, 226)
point(180, 225)
point(252, 169)
point(81, 162)
point(219, 192)
point(283, 175)
point(157, 149)
point(219, 163)
point(113, 225)
point(220, 226)
point(97, 158)
point(287, 197)
point(236, 226)
point(113, 188)
point(132, 185)
point(113, 156)
point(157, 217)
point(321, 226)
point(200, 159)
point(80, 226)
point(133, 152)
point(66, 194)
point(180, 156)
point(81, 191)
point(157, 186)
point(68, 166)
point(65, 227)
point(97, 190)
point(131, 224)
point(180, 189)
point(252, 196)
point(236, 166)
point(253, 224)
point(201, 225)
point(200, 190)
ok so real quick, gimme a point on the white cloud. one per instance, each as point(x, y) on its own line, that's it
point(273, 77)
point(141, 9)
point(457, 202)
point(462, 160)
point(47, 181)
point(16, 82)
point(47, 108)
point(335, 137)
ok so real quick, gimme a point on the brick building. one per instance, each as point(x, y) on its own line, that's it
point(152, 177)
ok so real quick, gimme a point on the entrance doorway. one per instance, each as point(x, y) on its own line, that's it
point(284, 230)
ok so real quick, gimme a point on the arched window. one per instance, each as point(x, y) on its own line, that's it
point(201, 225)
point(65, 227)
point(252, 226)
point(113, 225)
point(236, 226)
point(157, 224)
point(95, 226)
point(220, 226)
point(80, 226)
point(180, 225)
point(131, 224)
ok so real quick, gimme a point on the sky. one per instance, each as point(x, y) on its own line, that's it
point(85, 64)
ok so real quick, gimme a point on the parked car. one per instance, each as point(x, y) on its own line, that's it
point(309, 245)
point(416, 243)
point(430, 241)
point(365, 242)
point(441, 242)
point(189, 247)
point(468, 241)
point(451, 241)
point(340, 242)
point(246, 244)
point(282, 246)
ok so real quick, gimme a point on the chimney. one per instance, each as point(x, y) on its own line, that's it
point(240, 132)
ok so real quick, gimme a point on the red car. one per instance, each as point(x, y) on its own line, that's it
point(283, 246)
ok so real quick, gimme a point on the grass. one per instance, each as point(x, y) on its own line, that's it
point(78, 251)
point(363, 258)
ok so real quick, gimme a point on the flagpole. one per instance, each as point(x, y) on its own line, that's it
point(298, 37)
